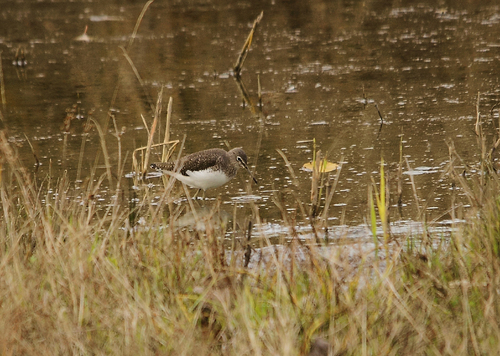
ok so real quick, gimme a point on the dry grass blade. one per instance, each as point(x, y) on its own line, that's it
point(477, 126)
point(37, 161)
point(494, 148)
point(153, 130)
point(168, 181)
point(246, 47)
point(165, 153)
point(401, 305)
point(145, 125)
point(329, 198)
point(244, 94)
point(8, 155)
point(138, 76)
point(400, 176)
point(134, 68)
point(414, 189)
point(104, 152)
point(120, 163)
point(315, 183)
point(138, 23)
point(289, 167)
point(474, 200)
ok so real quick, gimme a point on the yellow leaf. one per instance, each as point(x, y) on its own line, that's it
point(324, 168)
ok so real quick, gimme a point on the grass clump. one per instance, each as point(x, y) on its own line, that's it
point(78, 280)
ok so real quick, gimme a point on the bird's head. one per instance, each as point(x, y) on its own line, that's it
point(242, 159)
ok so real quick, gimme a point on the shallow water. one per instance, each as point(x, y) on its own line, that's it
point(322, 66)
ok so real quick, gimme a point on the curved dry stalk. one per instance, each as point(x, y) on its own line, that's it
point(138, 23)
point(138, 76)
point(246, 47)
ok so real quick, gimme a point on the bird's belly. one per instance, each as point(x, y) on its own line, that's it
point(204, 179)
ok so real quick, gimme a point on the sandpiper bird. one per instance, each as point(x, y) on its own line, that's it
point(206, 169)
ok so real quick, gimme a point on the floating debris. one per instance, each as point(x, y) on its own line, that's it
point(84, 37)
point(325, 167)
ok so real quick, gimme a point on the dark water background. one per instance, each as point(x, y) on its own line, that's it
point(323, 65)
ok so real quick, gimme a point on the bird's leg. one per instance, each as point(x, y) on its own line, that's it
point(194, 196)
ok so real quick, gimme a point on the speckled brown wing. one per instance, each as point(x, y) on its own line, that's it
point(198, 161)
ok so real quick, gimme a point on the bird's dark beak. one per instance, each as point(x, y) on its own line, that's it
point(248, 169)
point(251, 175)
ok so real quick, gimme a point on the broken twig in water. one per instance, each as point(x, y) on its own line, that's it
point(365, 100)
point(246, 47)
point(248, 247)
point(381, 120)
point(2, 86)
point(259, 90)
point(379, 114)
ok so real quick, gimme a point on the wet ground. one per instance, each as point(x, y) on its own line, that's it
point(324, 69)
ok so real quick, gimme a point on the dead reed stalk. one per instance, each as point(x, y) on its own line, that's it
point(246, 47)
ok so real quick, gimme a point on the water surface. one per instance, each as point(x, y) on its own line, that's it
point(323, 66)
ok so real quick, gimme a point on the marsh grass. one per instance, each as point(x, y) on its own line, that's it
point(75, 279)
point(79, 279)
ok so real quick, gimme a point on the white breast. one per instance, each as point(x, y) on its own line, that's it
point(202, 179)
